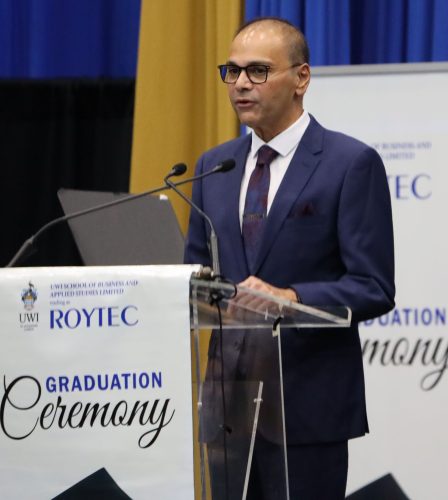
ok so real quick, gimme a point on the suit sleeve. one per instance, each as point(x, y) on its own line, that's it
point(365, 240)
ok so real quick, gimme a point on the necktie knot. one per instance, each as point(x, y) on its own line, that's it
point(265, 155)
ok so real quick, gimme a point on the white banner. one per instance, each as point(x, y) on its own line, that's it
point(95, 382)
point(402, 112)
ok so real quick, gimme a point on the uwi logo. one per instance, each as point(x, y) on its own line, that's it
point(29, 297)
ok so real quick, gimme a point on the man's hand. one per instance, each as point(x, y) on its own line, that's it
point(262, 286)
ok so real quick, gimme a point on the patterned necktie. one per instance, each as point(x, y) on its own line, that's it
point(256, 205)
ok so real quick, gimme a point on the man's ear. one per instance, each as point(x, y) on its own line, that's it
point(303, 80)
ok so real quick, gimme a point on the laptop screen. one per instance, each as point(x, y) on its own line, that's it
point(139, 231)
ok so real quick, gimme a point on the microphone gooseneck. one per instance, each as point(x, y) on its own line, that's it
point(177, 170)
point(213, 238)
point(224, 166)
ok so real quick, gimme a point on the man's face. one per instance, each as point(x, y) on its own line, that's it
point(270, 107)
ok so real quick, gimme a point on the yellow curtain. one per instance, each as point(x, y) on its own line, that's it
point(181, 106)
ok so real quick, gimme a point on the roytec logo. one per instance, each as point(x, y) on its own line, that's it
point(29, 319)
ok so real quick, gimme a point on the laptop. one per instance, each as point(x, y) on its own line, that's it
point(144, 230)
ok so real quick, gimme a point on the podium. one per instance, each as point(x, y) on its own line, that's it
point(238, 391)
point(96, 371)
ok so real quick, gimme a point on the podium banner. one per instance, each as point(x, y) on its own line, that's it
point(95, 392)
point(405, 352)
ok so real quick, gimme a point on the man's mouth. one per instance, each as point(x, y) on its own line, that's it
point(244, 103)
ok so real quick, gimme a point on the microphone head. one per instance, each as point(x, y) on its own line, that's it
point(178, 169)
point(225, 165)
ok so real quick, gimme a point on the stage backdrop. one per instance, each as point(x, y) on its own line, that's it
point(95, 387)
point(401, 110)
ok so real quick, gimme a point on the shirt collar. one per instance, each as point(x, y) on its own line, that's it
point(287, 140)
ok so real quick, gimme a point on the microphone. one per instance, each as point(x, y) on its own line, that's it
point(178, 169)
point(224, 166)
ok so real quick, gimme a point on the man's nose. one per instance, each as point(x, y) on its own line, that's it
point(243, 80)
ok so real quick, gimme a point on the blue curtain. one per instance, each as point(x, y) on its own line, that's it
point(365, 31)
point(99, 38)
point(68, 38)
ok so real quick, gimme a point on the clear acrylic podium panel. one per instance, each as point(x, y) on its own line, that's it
point(238, 387)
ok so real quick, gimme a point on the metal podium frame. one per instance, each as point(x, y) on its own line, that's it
point(232, 390)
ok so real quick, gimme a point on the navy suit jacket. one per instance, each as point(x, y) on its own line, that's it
point(329, 236)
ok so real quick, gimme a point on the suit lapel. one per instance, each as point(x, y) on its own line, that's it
point(233, 187)
point(302, 166)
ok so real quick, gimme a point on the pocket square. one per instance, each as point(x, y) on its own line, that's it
point(304, 209)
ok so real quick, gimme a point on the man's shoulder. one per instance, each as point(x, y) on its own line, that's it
point(226, 150)
point(233, 143)
point(339, 139)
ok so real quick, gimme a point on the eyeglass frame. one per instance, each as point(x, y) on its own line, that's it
point(241, 68)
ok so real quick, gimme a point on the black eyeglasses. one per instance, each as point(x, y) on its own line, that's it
point(257, 73)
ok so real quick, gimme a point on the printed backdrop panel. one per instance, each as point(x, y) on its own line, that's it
point(402, 112)
point(95, 381)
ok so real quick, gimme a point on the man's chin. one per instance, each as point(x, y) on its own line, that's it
point(247, 120)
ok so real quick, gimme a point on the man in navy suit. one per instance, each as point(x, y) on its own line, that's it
point(326, 239)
